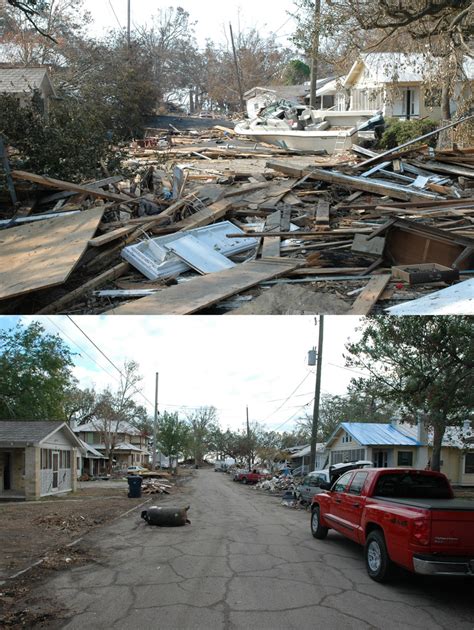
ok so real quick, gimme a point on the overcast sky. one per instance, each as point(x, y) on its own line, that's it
point(226, 361)
point(212, 16)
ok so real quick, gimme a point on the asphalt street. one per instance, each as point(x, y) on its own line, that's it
point(246, 561)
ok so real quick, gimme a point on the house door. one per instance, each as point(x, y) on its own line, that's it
point(410, 105)
point(7, 471)
point(380, 459)
point(55, 470)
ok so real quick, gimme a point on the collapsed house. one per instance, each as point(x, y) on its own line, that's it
point(211, 223)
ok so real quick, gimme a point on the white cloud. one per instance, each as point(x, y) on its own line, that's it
point(228, 362)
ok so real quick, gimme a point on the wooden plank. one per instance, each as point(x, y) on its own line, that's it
point(110, 274)
point(199, 293)
point(369, 296)
point(49, 182)
point(271, 244)
point(322, 213)
point(111, 236)
point(285, 219)
point(43, 254)
point(205, 216)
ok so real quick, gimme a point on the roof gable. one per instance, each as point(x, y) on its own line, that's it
point(24, 80)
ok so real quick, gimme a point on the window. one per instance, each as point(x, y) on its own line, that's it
point(469, 464)
point(352, 455)
point(358, 483)
point(346, 438)
point(405, 458)
point(342, 482)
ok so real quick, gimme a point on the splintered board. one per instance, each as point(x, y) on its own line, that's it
point(44, 253)
point(369, 296)
point(199, 293)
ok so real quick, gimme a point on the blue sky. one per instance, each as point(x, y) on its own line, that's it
point(227, 362)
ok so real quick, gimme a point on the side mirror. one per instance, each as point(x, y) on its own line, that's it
point(325, 485)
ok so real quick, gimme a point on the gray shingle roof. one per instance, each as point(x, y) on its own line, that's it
point(17, 80)
point(26, 431)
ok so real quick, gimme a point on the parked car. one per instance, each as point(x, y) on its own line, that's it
point(403, 517)
point(253, 476)
point(136, 470)
point(206, 115)
point(310, 485)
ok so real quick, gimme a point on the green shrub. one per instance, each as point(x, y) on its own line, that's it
point(69, 145)
point(400, 131)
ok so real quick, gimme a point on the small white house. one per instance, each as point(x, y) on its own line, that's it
point(37, 459)
point(401, 85)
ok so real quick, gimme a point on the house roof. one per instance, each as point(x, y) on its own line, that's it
point(91, 427)
point(282, 91)
point(127, 446)
point(32, 432)
point(374, 433)
point(304, 452)
point(24, 80)
point(90, 451)
point(392, 68)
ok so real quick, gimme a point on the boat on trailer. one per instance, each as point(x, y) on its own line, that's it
point(303, 129)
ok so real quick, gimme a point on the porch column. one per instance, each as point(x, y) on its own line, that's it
point(74, 456)
point(32, 473)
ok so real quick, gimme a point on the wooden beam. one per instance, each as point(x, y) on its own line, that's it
point(202, 292)
point(322, 213)
point(369, 296)
point(377, 187)
point(98, 241)
point(49, 182)
point(110, 274)
point(271, 244)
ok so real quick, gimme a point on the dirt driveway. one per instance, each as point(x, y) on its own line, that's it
point(41, 533)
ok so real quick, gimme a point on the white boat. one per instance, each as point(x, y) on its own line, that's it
point(309, 130)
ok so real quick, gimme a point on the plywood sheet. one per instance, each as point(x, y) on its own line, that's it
point(43, 254)
point(192, 296)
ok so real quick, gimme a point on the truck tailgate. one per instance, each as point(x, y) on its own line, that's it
point(452, 531)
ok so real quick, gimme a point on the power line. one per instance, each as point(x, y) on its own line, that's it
point(288, 397)
point(113, 11)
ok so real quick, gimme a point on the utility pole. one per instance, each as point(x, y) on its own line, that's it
point(248, 439)
point(237, 71)
point(155, 424)
point(129, 16)
point(315, 53)
point(317, 393)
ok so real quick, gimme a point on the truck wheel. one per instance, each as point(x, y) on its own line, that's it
point(377, 561)
point(244, 480)
point(318, 530)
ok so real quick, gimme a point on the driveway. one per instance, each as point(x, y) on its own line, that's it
point(244, 562)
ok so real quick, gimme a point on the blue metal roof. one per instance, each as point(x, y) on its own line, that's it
point(373, 433)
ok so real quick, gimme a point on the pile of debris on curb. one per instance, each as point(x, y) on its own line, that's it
point(277, 485)
point(261, 231)
point(153, 486)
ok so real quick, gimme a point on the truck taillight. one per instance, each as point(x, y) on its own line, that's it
point(421, 531)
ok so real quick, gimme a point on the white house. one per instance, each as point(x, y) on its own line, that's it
point(37, 459)
point(401, 85)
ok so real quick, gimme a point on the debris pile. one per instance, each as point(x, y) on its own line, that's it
point(277, 485)
point(154, 486)
point(243, 228)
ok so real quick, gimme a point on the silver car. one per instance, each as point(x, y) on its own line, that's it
point(311, 483)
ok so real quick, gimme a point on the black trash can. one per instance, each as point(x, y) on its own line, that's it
point(134, 487)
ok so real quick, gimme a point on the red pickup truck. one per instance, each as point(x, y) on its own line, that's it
point(403, 517)
point(254, 476)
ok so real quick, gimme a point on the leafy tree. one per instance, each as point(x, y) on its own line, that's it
point(68, 145)
point(173, 435)
point(35, 374)
point(80, 405)
point(202, 426)
point(296, 72)
point(424, 365)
